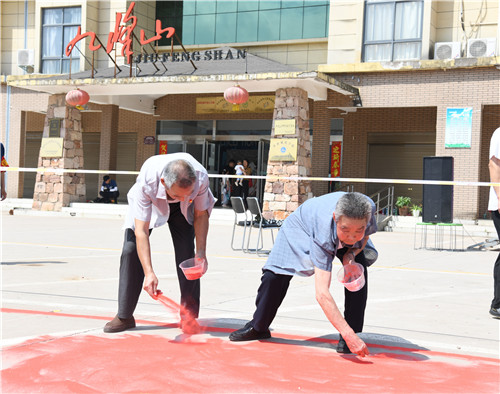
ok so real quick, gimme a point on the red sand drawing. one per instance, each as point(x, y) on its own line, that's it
point(140, 362)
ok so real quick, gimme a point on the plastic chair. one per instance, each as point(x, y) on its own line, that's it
point(262, 224)
point(239, 209)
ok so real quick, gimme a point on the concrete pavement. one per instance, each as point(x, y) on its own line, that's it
point(59, 283)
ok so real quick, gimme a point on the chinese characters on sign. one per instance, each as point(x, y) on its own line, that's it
point(458, 128)
point(121, 34)
point(163, 147)
point(284, 126)
point(257, 104)
point(336, 157)
point(283, 149)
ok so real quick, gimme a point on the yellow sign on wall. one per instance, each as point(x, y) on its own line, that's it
point(218, 105)
point(52, 147)
point(283, 149)
point(284, 126)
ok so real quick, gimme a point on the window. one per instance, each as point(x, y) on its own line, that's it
point(59, 27)
point(228, 21)
point(393, 30)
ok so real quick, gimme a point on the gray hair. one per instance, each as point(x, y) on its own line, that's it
point(179, 172)
point(354, 206)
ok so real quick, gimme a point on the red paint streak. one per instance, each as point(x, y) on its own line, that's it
point(154, 364)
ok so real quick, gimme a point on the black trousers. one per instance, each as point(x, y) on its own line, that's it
point(495, 303)
point(273, 288)
point(132, 274)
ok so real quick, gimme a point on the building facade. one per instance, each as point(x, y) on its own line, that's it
point(381, 81)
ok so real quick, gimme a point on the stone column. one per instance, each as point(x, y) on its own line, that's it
point(54, 190)
point(283, 196)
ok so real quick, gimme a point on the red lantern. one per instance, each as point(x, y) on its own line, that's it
point(236, 95)
point(77, 98)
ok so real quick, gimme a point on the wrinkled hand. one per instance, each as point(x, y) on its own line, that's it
point(151, 284)
point(200, 258)
point(348, 258)
point(356, 345)
point(4, 194)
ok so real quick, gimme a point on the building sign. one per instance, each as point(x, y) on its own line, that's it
point(283, 149)
point(149, 140)
point(336, 159)
point(163, 147)
point(55, 128)
point(121, 34)
point(209, 55)
point(218, 105)
point(284, 126)
point(52, 147)
point(458, 127)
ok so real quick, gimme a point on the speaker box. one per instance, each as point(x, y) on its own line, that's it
point(438, 199)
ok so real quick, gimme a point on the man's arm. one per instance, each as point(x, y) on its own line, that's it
point(200, 225)
point(327, 303)
point(2, 180)
point(144, 252)
point(494, 167)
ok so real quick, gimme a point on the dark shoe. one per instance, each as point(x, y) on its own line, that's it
point(118, 325)
point(342, 346)
point(248, 333)
point(495, 312)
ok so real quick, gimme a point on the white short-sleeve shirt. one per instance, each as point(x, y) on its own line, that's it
point(147, 199)
point(494, 151)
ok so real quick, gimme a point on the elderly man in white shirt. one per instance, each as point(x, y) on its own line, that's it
point(171, 189)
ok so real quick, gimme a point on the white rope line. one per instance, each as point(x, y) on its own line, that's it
point(60, 171)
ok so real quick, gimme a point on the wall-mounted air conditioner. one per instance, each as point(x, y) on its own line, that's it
point(26, 59)
point(481, 47)
point(447, 50)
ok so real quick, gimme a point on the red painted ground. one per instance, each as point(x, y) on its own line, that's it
point(140, 362)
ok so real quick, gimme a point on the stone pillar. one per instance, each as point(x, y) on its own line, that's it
point(283, 196)
point(54, 190)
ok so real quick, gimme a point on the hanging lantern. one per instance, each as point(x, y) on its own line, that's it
point(77, 98)
point(236, 95)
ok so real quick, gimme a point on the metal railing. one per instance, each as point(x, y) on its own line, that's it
point(384, 203)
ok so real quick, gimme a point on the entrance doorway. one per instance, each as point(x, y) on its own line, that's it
point(214, 156)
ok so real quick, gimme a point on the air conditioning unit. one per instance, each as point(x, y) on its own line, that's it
point(447, 50)
point(26, 59)
point(481, 47)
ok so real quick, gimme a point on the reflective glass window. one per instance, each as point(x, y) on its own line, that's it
point(188, 7)
point(205, 29)
point(205, 7)
point(246, 27)
point(269, 5)
point(293, 3)
point(248, 5)
point(291, 23)
point(315, 22)
point(188, 29)
point(269, 30)
point(227, 6)
point(225, 28)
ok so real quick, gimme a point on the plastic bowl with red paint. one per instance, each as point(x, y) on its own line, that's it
point(193, 268)
point(352, 276)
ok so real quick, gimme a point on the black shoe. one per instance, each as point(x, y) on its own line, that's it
point(118, 325)
point(495, 312)
point(342, 346)
point(248, 333)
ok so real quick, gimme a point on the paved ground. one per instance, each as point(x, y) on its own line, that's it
point(427, 321)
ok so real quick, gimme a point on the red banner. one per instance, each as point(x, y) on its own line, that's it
point(163, 147)
point(336, 159)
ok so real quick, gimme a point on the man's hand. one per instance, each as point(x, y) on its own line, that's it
point(356, 344)
point(151, 284)
point(201, 258)
point(348, 258)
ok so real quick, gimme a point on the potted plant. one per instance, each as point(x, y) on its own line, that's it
point(403, 204)
point(415, 210)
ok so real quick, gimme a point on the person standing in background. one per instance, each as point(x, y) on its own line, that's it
point(494, 207)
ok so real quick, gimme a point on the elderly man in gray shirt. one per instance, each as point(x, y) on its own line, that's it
point(336, 224)
point(169, 189)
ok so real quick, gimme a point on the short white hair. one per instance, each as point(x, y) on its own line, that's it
point(179, 172)
point(354, 206)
